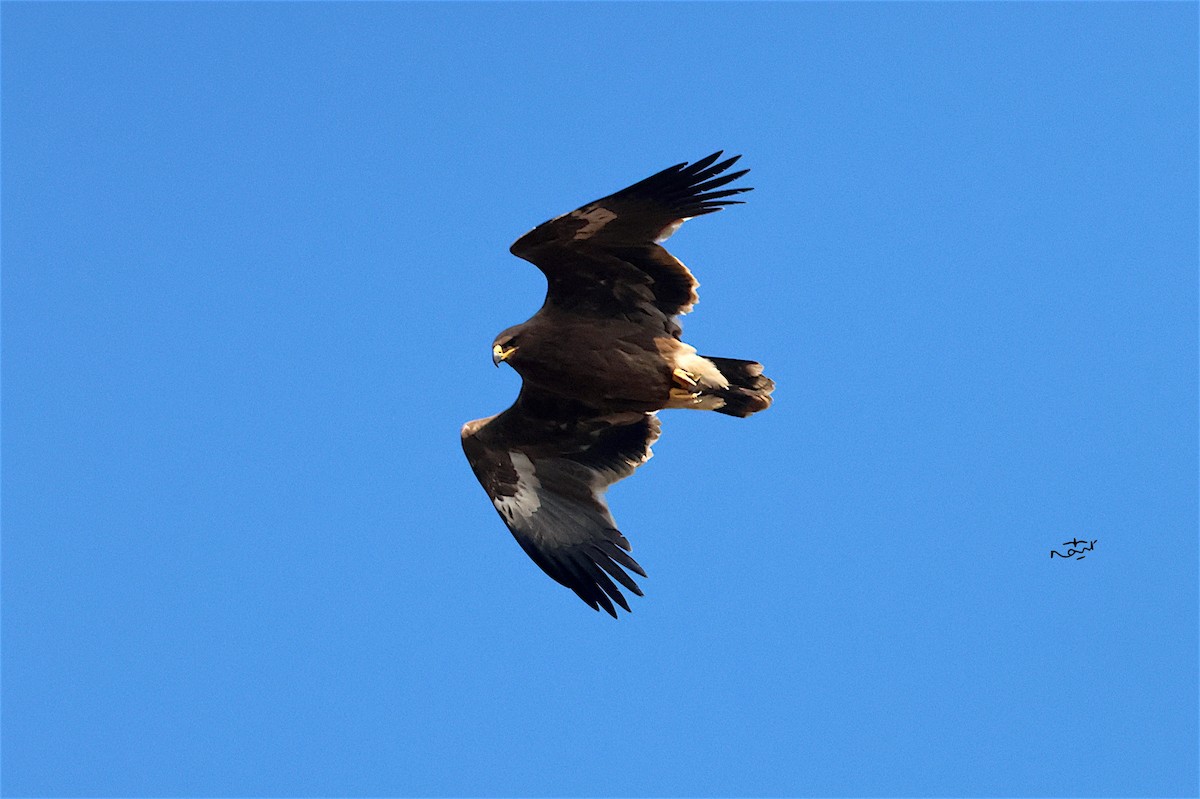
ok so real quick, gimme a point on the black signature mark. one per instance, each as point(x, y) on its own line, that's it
point(1084, 546)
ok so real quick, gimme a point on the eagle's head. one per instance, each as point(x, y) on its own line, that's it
point(505, 345)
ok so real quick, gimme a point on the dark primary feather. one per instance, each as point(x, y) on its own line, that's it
point(603, 258)
point(683, 190)
point(561, 456)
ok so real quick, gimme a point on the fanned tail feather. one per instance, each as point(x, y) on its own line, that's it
point(749, 389)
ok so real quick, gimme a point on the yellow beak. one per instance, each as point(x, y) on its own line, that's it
point(500, 353)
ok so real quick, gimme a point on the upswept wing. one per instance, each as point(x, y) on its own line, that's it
point(546, 463)
point(605, 259)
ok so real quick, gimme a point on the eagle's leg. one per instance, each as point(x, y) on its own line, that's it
point(686, 389)
point(684, 378)
point(682, 397)
point(733, 387)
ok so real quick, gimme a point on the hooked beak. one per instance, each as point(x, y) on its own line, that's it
point(501, 354)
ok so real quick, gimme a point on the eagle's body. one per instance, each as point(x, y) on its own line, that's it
point(609, 363)
point(597, 361)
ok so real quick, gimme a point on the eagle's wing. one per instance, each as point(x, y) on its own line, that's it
point(604, 258)
point(546, 463)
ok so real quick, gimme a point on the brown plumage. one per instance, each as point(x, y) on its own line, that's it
point(597, 362)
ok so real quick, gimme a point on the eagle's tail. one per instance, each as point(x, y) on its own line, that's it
point(749, 389)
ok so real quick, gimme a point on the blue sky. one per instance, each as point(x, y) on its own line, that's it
point(254, 256)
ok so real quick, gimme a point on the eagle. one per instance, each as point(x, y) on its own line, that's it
point(597, 362)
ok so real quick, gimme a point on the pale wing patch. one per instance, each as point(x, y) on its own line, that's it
point(525, 502)
point(471, 428)
point(669, 230)
point(671, 259)
point(596, 216)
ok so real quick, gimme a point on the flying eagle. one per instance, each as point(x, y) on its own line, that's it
point(596, 362)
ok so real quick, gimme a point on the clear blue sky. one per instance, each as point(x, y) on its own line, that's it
point(254, 256)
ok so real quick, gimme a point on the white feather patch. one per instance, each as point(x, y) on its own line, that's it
point(525, 502)
point(684, 357)
point(669, 230)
